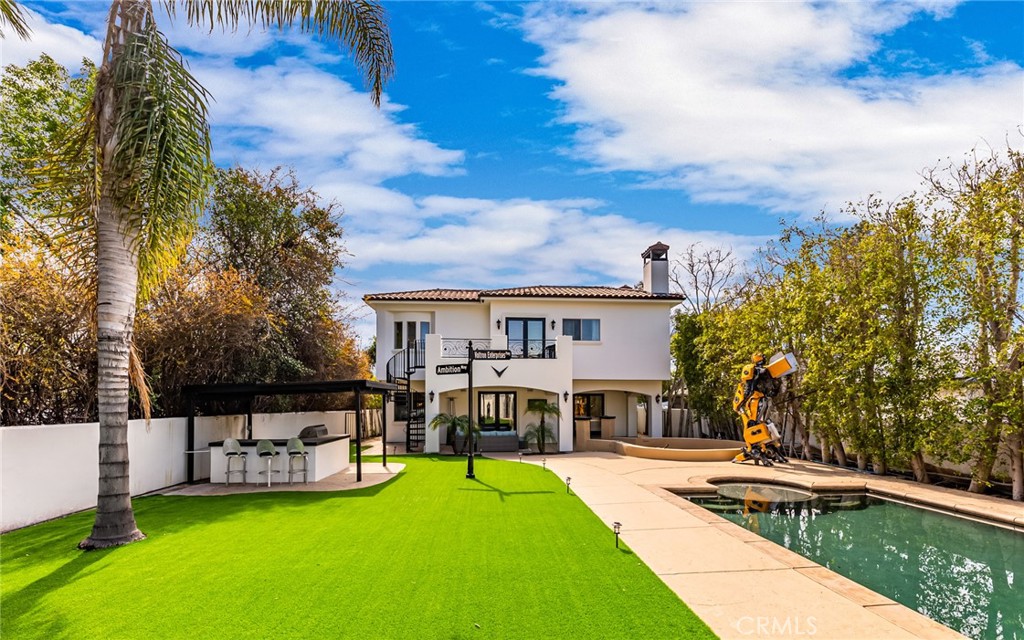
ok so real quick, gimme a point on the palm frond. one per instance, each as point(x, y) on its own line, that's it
point(12, 16)
point(359, 25)
point(160, 167)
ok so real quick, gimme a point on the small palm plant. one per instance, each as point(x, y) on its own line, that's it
point(454, 425)
point(541, 433)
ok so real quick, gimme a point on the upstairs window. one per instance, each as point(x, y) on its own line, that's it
point(405, 333)
point(582, 329)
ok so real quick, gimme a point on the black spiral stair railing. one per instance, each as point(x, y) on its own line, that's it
point(400, 368)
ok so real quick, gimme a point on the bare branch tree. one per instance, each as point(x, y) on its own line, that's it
point(702, 275)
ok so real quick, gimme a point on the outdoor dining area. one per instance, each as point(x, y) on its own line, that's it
point(310, 456)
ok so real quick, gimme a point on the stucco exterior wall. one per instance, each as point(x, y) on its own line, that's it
point(47, 471)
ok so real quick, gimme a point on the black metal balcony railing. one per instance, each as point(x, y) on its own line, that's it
point(544, 349)
point(459, 347)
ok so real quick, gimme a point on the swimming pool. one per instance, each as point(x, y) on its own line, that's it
point(965, 574)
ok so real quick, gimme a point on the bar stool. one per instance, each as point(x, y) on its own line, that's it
point(297, 451)
point(266, 449)
point(233, 451)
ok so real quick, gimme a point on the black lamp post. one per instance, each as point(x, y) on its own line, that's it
point(568, 481)
point(618, 527)
point(469, 428)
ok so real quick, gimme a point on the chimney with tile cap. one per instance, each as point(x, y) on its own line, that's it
point(656, 268)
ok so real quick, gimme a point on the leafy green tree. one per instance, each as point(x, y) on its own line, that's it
point(979, 227)
point(146, 135)
point(284, 240)
point(704, 277)
point(40, 100)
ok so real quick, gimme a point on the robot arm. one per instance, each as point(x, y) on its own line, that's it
point(760, 379)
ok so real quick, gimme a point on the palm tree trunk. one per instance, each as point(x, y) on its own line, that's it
point(117, 265)
point(117, 271)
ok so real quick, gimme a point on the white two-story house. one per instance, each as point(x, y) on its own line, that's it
point(600, 353)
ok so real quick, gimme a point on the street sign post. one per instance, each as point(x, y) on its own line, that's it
point(452, 369)
point(492, 354)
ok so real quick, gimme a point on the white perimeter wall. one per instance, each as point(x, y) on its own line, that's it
point(48, 471)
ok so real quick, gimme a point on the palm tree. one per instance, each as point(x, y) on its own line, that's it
point(454, 425)
point(541, 433)
point(145, 140)
point(10, 14)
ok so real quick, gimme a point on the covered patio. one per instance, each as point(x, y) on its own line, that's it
point(203, 396)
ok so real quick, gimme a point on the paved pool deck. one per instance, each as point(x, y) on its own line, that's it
point(740, 584)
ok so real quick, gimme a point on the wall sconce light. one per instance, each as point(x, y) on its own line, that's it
point(657, 398)
point(617, 526)
point(552, 325)
point(431, 394)
point(565, 396)
point(568, 480)
point(497, 323)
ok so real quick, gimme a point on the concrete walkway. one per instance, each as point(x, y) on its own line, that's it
point(740, 584)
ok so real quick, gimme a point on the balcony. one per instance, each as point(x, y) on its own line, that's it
point(532, 349)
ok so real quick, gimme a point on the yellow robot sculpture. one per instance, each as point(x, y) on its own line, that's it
point(760, 380)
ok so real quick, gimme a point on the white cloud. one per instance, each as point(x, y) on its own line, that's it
point(746, 102)
point(64, 44)
point(295, 113)
point(473, 242)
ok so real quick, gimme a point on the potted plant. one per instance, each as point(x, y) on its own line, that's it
point(541, 433)
point(455, 426)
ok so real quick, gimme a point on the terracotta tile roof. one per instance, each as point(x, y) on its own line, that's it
point(428, 295)
point(475, 295)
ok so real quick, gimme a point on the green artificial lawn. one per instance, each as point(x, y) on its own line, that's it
point(429, 554)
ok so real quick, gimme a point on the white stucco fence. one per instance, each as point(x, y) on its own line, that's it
point(47, 471)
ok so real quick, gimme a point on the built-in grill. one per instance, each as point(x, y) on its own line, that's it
point(313, 431)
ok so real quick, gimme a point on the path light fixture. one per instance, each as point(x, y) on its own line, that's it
point(617, 526)
point(568, 481)
point(431, 394)
point(520, 457)
point(544, 463)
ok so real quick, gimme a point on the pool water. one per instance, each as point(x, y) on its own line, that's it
point(964, 574)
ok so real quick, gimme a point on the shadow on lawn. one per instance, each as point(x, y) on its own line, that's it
point(490, 488)
point(25, 599)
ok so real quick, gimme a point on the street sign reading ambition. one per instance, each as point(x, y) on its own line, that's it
point(492, 354)
point(452, 369)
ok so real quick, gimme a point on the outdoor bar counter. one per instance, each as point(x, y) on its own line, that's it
point(328, 455)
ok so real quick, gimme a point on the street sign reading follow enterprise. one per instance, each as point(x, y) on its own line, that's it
point(492, 354)
point(452, 369)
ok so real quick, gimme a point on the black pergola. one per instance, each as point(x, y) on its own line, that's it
point(196, 393)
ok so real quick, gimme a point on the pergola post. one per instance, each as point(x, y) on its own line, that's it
point(384, 425)
point(359, 436)
point(190, 442)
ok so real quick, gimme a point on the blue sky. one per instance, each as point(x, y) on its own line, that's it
point(551, 143)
